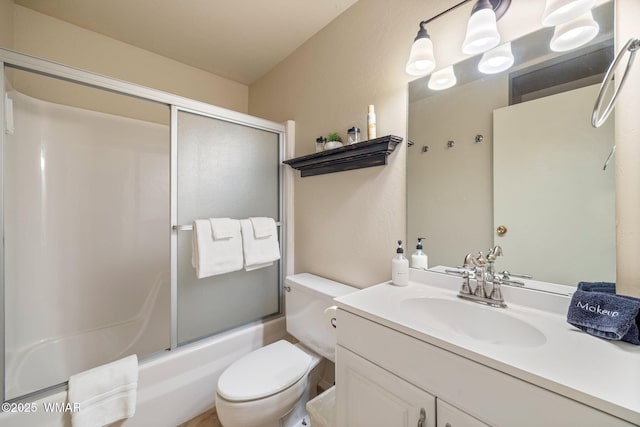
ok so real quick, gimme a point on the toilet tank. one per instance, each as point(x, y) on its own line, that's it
point(306, 298)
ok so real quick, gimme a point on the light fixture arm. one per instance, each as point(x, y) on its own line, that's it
point(499, 7)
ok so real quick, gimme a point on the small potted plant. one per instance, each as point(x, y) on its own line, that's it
point(333, 141)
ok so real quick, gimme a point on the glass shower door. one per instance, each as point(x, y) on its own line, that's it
point(86, 248)
point(222, 169)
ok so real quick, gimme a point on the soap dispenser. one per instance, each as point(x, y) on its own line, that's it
point(400, 267)
point(418, 258)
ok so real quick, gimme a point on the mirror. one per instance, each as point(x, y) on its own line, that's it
point(515, 151)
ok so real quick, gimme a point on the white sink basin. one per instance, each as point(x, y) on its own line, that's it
point(488, 324)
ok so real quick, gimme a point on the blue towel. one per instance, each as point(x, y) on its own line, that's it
point(597, 310)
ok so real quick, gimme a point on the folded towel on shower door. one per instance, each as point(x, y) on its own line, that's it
point(224, 228)
point(212, 256)
point(104, 394)
point(262, 227)
point(259, 252)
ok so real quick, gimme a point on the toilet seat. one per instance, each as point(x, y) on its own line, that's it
point(264, 372)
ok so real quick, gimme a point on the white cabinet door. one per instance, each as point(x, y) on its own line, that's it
point(449, 416)
point(369, 396)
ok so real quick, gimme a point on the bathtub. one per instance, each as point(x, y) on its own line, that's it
point(173, 386)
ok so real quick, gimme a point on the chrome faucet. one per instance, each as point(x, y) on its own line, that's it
point(482, 270)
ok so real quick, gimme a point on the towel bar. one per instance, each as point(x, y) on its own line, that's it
point(598, 117)
point(189, 227)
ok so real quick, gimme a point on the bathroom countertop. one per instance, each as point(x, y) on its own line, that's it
point(599, 373)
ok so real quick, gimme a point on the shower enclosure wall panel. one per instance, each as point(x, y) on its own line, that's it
point(87, 259)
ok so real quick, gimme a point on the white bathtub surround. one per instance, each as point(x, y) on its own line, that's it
point(85, 194)
point(526, 360)
point(213, 255)
point(259, 252)
point(104, 394)
point(173, 387)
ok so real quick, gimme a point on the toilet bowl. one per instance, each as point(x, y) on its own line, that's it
point(270, 386)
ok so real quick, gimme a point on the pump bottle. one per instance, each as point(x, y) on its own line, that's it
point(400, 267)
point(419, 259)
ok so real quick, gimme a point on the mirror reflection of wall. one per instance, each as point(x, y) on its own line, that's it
point(455, 185)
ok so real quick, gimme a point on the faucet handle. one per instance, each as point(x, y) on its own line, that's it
point(468, 261)
point(465, 288)
point(496, 291)
point(494, 253)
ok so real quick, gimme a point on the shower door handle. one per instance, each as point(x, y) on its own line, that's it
point(189, 227)
point(184, 227)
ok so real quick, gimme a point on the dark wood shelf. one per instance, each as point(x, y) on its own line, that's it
point(364, 154)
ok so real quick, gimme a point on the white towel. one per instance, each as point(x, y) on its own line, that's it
point(262, 227)
point(224, 228)
point(259, 253)
point(211, 257)
point(104, 394)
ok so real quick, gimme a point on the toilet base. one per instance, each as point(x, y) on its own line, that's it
point(298, 417)
point(263, 412)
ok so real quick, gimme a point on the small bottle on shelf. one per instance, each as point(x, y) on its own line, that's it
point(371, 123)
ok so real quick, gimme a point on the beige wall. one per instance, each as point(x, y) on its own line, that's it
point(627, 159)
point(6, 23)
point(71, 45)
point(346, 223)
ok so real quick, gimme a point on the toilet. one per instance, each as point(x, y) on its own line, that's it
point(269, 387)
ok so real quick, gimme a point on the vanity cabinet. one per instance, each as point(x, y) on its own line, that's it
point(384, 376)
point(378, 398)
point(449, 416)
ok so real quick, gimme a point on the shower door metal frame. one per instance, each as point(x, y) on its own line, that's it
point(3, 93)
point(15, 60)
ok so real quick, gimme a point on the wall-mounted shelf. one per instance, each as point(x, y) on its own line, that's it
point(364, 154)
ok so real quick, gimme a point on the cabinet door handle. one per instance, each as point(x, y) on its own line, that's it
point(423, 418)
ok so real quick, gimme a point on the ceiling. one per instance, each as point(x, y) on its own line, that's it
point(237, 39)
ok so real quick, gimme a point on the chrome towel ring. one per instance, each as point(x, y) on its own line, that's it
point(597, 119)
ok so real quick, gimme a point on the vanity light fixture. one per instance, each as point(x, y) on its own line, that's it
point(558, 12)
point(496, 60)
point(480, 37)
point(442, 79)
point(482, 29)
point(574, 33)
point(421, 59)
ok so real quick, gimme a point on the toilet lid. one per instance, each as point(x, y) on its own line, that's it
point(263, 372)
